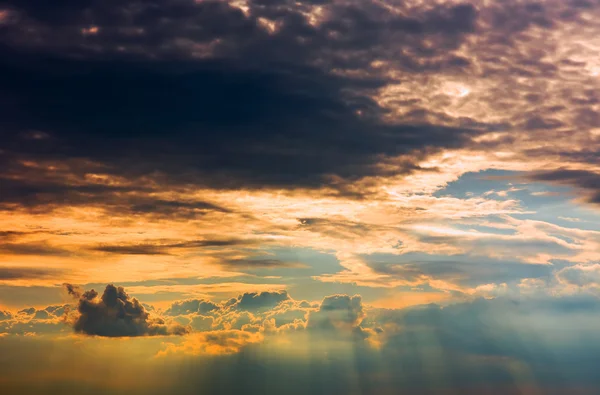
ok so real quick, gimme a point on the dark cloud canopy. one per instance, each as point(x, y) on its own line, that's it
point(134, 99)
point(210, 124)
point(115, 314)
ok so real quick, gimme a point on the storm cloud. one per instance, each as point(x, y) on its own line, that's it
point(153, 109)
point(115, 314)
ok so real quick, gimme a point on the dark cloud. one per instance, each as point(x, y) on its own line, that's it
point(27, 273)
point(163, 247)
point(38, 249)
point(115, 314)
point(490, 327)
point(587, 181)
point(6, 235)
point(133, 98)
point(73, 290)
point(33, 191)
point(173, 208)
point(165, 28)
point(31, 188)
point(138, 249)
point(208, 243)
point(28, 311)
point(57, 310)
point(336, 228)
point(254, 263)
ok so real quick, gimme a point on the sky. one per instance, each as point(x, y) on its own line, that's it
point(300, 197)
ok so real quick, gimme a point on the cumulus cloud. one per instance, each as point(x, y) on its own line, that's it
point(32, 321)
point(466, 347)
point(5, 315)
point(116, 314)
point(271, 312)
point(255, 301)
point(191, 306)
point(337, 312)
point(250, 311)
point(292, 313)
point(581, 276)
point(173, 112)
point(252, 318)
point(486, 336)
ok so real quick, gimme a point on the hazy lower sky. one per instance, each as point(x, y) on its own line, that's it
point(300, 197)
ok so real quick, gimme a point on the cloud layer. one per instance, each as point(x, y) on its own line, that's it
point(539, 343)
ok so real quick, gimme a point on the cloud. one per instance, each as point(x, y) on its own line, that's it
point(222, 118)
point(115, 314)
point(164, 247)
point(39, 249)
point(466, 347)
point(254, 263)
point(254, 301)
point(5, 315)
point(338, 316)
point(474, 342)
point(213, 343)
point(584, 276)
point(23, 273)
point(149, 131)
point(252, 113)
point(191, 306)
point(587, 181)
point(44, 186)
point(367, 108)
point(138, 249)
